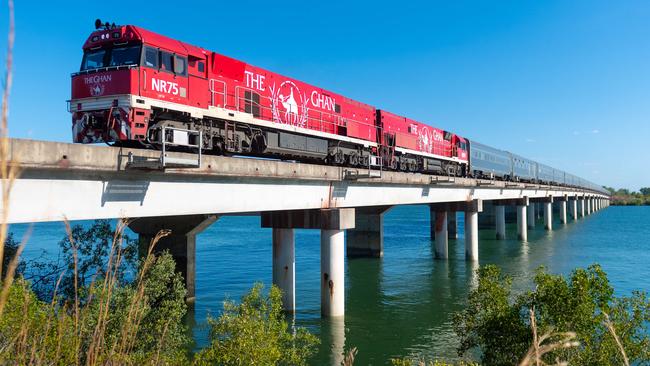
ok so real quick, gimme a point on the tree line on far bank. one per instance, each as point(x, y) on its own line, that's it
point(625, 197)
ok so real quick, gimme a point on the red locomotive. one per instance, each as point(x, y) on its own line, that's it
point(139, 88)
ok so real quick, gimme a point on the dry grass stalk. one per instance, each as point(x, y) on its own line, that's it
point(4, 143)
point(561, 340)
point(610, 327)
point(348, 360)
point(8, 171)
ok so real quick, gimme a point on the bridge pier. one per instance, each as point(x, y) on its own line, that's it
point(181, 242)
point(500, 220)
point(588, 206)
point(582, 207)
point(366, 239)
point(531, 210)
point(332, 224)
point(452, 225)
point(472, 209)
point(548, 213)
point(332, 269)
point(563, 209)
point(574, 208)
point(441, 235)
point(439, 232)
point(522, 227)
point(284, 266)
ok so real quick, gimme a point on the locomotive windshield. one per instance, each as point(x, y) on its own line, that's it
point(110, 57)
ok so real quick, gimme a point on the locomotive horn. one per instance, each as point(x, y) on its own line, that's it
point(98, 23)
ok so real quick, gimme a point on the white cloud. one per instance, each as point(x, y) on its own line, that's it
point(530, 140)
point(595, 131)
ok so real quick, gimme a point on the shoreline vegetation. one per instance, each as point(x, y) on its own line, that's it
point(101, 303)
point(625, 197)
point(108, 301)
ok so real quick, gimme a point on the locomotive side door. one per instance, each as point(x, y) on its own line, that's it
point(198, 91)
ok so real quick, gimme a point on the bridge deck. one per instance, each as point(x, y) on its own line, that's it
point(60, 180)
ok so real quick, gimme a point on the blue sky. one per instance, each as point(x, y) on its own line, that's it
point(563, 82)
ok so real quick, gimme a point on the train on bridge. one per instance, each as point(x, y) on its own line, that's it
point(138, 88)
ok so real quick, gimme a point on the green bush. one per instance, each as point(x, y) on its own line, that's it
point(128, 324)
point(497, 323)
point(256, 333)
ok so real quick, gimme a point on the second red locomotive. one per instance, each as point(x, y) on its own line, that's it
point(136, 87)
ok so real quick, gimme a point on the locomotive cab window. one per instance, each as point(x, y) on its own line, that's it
point(180, 65)
point(127, 55)
point(150, 57)
point(166, 61)
point(447, 136)
point(93, 59)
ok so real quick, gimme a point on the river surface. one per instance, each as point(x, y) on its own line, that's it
point(402, 304)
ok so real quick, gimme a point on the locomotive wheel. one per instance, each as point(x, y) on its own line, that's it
point(338, 157)
point(403, 165)
point(413, 166)
point(353, 159)
point(393, 164)
point(365, 161)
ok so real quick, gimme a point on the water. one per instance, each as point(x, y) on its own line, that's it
point(402, 304)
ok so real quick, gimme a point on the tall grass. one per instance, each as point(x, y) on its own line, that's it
point(8, 171)
point(37, 333)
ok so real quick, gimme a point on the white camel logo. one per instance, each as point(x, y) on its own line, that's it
point(425, 140)
point(291, 107)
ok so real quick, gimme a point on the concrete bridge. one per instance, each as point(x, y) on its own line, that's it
point(78, 182)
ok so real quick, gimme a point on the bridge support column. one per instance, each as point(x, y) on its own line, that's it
point(367, 237)
point(574, 208)
point(500, 219)
point(452, 225)
point(439, 229)
point(563, 216)
point(441, 235)
point(471, 229)
point(332, 294)
point(588, 206)
point(522, 227)
point(532, 207)
point(284, 266)
point(582, 207)
point(181, 242)
point(548, 213)
point(332, 223)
